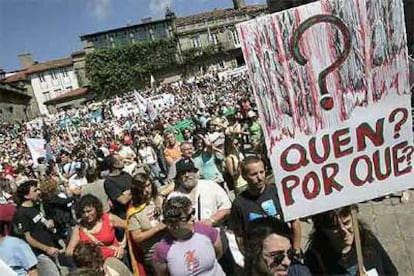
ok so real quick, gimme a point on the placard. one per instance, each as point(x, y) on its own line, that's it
point(331, 83)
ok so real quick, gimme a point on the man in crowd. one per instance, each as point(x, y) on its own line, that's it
point(67, 165)
point(117, 185)
point(187, 151)
point(258, 200)
point(30, 224)
point(211, 203)
point(172, 150)
point(17, 254)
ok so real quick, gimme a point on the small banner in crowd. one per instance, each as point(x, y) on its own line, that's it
point(331, 83)
point(36, 147)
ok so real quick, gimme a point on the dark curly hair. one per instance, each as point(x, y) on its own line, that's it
point(138, 184)
point(175, 208)
point(258, 231)
point(87, 255)
point(89, 201)
point(24, 189)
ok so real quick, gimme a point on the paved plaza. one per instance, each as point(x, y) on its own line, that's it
point(393, 224)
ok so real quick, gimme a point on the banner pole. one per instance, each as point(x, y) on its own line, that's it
point(360, 258)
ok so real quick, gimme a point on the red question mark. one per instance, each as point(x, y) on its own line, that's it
point(326, 99)
point(398, 125)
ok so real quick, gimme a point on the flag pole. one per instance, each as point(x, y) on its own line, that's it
point(357, 236)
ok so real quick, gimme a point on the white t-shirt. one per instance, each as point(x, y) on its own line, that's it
point(147, 156)
point(75, 182)
point(210, 197)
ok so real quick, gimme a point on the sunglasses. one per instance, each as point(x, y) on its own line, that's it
point(185, 219)
point(277, 257)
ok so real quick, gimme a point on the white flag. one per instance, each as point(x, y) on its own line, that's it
point(200, 101)
point(141, 101)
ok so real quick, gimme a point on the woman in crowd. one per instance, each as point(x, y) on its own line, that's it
point(269, 250)
point(57, 206)
point(97, 227)
point(144, 222)
point(206, 158)
point(232, 158)
point(89, 261)
point(189, 248)
point(148, 157)
point(78, 180)
point(331, 247)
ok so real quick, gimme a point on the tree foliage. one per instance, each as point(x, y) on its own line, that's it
point(118, 70)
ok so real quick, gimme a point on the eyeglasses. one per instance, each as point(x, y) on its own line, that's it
point(277, 257)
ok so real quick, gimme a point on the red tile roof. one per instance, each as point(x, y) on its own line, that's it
point(68, 95)
point(19, 76)
point(52, 64)
point(39, 67)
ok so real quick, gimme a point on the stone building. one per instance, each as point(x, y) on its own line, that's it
point(210, 38)
point(14, 102)
point(45, 81)
point(203, 40)
point(148, 30)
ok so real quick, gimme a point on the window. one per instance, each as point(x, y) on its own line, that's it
point(69, 88)
point(64, 72)
point(196, 42)
point(58, 91)
point(42, 77)
point(46, 95)
point(53, 74)
point(235, 37)
point(214, 38)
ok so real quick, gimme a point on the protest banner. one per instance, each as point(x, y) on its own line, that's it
point(36, 147)
point(331, 83)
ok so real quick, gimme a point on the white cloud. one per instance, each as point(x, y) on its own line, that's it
point(158, 7)
point(100, 8)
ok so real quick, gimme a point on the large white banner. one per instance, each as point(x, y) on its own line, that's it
point(331, 83)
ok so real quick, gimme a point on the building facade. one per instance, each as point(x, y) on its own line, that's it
point(14, 102)
point(211, 39)
point(148, 30)
point(47, 80)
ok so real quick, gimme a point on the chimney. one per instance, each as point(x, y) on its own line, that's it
point(238, 4)
point(26, 60)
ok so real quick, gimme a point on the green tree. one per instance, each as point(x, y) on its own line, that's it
point(117, 70)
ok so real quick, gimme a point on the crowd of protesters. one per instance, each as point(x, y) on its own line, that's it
point(188, 192)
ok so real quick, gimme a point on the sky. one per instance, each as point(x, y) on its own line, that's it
point(50, 29)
